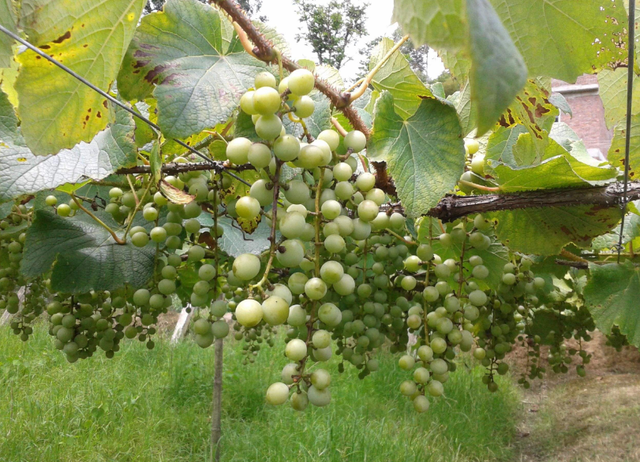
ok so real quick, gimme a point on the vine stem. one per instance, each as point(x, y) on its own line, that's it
point(367, 80)
point(272, 236)
point(393, 233)
point(98, 220)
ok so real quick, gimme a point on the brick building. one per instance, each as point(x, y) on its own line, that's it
point(588, 113)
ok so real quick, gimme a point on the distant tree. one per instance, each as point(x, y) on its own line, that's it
point(331, 29)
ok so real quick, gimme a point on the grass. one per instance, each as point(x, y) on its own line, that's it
point(155, 406)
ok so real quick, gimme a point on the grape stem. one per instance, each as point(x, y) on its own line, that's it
point(137, 207)
point(338, 126)
point(318, 220)
point(369, 77)
point(393, 233)
point(479, 186)
point(98, 220)
point(272, 236)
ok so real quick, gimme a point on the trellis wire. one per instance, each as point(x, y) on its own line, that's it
point(106, 95)
point(632, 23)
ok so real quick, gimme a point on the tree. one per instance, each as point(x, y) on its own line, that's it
point(331, 29)
point(473, 223)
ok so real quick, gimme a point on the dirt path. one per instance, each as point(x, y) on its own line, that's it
point(592, 419)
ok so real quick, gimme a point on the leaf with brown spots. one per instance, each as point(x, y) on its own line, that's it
point(8, 20)
point(617, 151)
point(192, 62)
point(58, 111)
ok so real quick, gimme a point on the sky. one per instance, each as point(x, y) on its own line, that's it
point(281, 15)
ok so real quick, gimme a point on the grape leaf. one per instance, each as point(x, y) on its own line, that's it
point(618, 146)
point(23, 173)
point(565, 38)
point(557, 170)
point(397, 77)
point(612, 296)
point(199, 72)
point(610, 240)
point(613, 92)
point(9, 132)
point(234, 242)
point(5, 209)
point(424, 154)
point(440, 23)
point(546, 231)
point(462, 101)
point(498, 72)
point(90, 37)
point(8, 20)
point(83, 254)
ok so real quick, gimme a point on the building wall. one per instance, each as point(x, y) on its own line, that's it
point(588, 113)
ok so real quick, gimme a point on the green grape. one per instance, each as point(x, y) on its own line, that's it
point(266, 101)
point(329, 314)
point(286, 148)
point(304, 107)
point(141, 297)
point(297, 281)
point(509, 279)
point(367, 210)
point(220, 329)
point(202, 327)
point(246, 103)
point(334, 243)
point(290, 253)
point(331, 209)
point(218, 308)
point(355, 140)
point(365, 182)
point(246, 266)
point(275, 310)
point(331, 272)
point(408, 283)
point(51, 200)
point(195, 253)
point(406, 362)
point(63, 210)
point(292, 225)
point(425, 353)
point(259, 155)
point(421, 403)
point(408, 388)
point(412, 263)
point(315, 288)
point(268, 127)
point(265, 79)
point(317, 397)
point(478, 298)
point(361, 230)
point(247, 207)
point(298, 192)
point(321, 339)
point(140, 239)
point(421, 375)
point(320, 379)
point(345, 286)
point(207, 272)
point(300, 82)
point(260, 192)
point(310, 157)
point(249, 313)
point(201, 288)
point(277, 393)
point(296, 350)
point(238, 150)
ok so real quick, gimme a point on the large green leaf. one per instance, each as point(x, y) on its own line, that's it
point(618, 146)
point(498, 72)
point(613, 92)
point(565, 38)
point(23, 173)
point(612, 296)
point(462, 101)
point(546, 231)
point(90, 37)
point(424, 154)
point(8, 122)
point(198, 70)
point(397, 77)
point(235, 242)
point(8, 20)
point(439, 23)
point(558, 169)
point(83, 254)
point(500, 147)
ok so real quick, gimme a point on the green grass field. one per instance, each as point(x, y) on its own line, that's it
point(155, 406)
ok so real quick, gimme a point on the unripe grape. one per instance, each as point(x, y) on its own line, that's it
point(438, 345)
point(265, 79)
point(53, 200)
point(292, 225)
point(140, 239)
point(331, 272)
point(472, 146)
point(277, 393)
point(331, 209)
point(259, 155)
point(288, 372)
point(331, 137)
point(268, 127)
point(421, 403)
point(408, 388)
point(367, 210)
point(297, 316)
point(247, 207)
point(365, 181)
point(299, 401)
point(478, 298)
point(266, 101)
point(246, 103)
point(238, 150)
point(304, 107)
point(293, 253)
point(249, 313)
point(246, 266)
point(315, 288)
point(317, 397)
point(286, 148)
point(329, 314)
point(297, 281)
point(275, 310)
point(218, 308)
point(345, 286)
point(63, 210)
point(207, 272)
point(301, 82)
point(334, 243)
point(408, 283)
point(310, 157)
point(509, 279)
point(202, 327)
point(320, 379)
point(355, 140)
point(421, 375)
point(220, 329)
point(361, 230)
point(166, 286)
point(435, 388)
point(321, 339)
point(425, 353)
point(295, 350)
point(406, 362)
point(298, 192)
